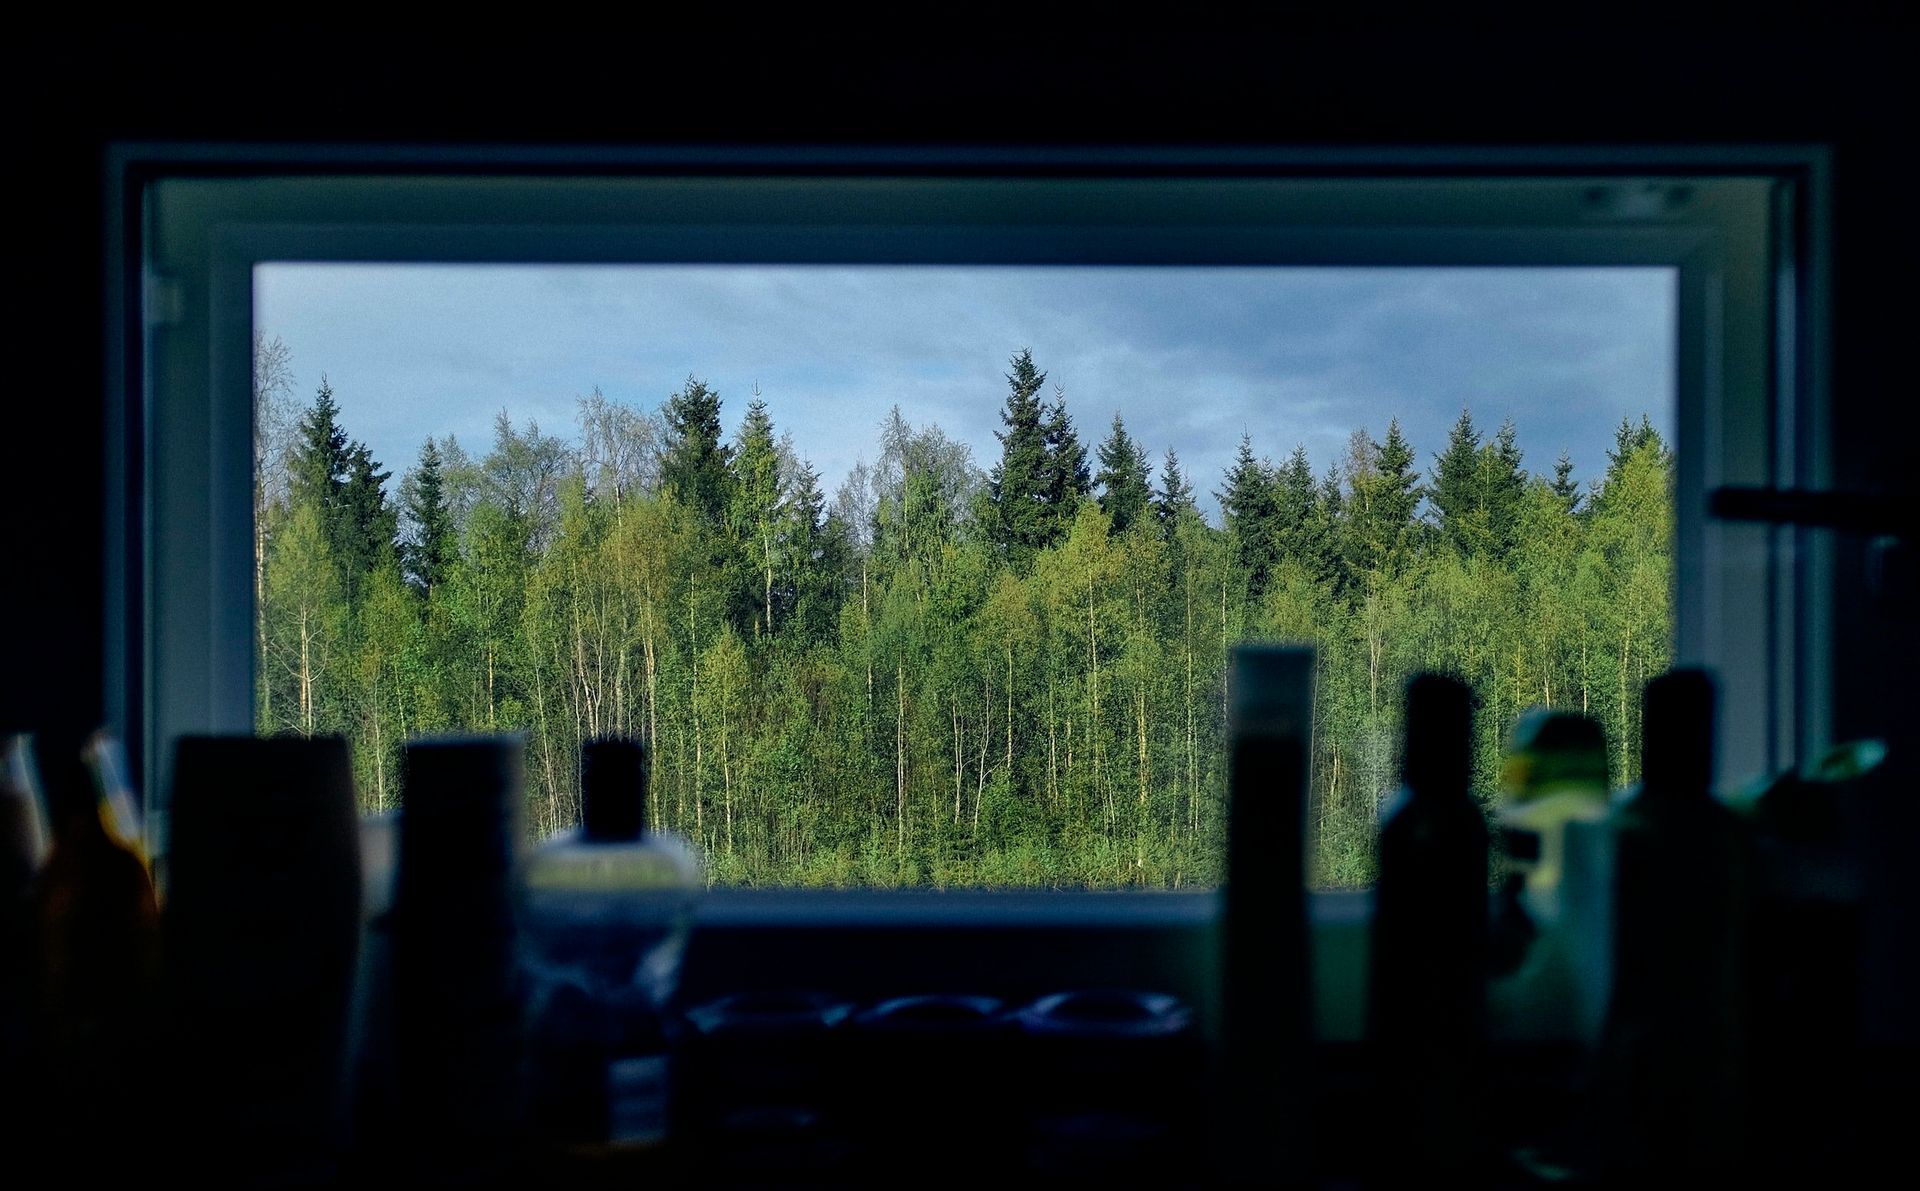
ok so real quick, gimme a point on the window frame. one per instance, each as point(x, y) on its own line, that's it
point(187, 222)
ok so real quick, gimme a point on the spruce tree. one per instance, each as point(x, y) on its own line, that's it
point(1123, 478)
point(815, 554)
point(1563, 485)
point(341, 481)
point(1503, 489)
point(368, 524)
point(1456, 491)
point(1017, 486)
point(427, 552)
point(694, 467)
point(1399, 494)
point(1296, 495)
point(1175, 498)
point(1628, 438)
point(318, 467)
point(1383, 494)
point(754, 515)
point(1068, 480)
point(1248, 507)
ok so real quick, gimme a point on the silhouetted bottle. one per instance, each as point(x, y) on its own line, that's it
point(24, 837)
point(608, 907)
point(1674, 1056)
point(98, 927)
point(1264, 1050)
point(457, 1005)
point(23, 849)
point(1426, 1010)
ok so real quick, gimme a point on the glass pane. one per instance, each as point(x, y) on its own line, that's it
point(927, 575)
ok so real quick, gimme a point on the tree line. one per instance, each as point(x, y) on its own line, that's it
point(939, 674)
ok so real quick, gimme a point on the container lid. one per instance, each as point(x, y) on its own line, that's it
point(613, 789)
point(1677, 734)
point(1438, 754)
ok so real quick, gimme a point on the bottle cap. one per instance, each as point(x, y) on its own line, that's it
point(613, 789)
point(1439, 735)
point(1677, 732)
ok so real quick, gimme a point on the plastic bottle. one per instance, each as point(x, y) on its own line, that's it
point(609, 906)
point(1426, 1006)
point(1674, 1053)
point(97, 923)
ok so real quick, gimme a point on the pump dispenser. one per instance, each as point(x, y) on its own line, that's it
point(609, 907)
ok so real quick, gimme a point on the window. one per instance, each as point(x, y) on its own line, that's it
point(898, 600)
point(1730, 231)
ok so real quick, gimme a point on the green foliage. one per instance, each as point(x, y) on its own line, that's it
point(695, 466)
point(427, 549)
point(1123, 478)
point(943, 677)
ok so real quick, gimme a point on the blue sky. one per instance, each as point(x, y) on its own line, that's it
point(1191, 357)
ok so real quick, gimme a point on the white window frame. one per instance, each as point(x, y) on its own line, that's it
point(1745, 228)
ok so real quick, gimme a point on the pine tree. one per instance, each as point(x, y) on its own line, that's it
point(817, 550)
point(427, 552)
point(1017, 486)
point(1247, 506)
point(1502, 490)
point(1398, 497)
point(1296, 496)
point(1125, 490)
point(1628, 438)
point(755, 511)
point(343, 483)
point(1068, 480)
point(317, 470)
point(369, 524)
point(695, 466)
point(1175, 500)
point(1383, 492)
point(1456, 491)
point(1563, 485)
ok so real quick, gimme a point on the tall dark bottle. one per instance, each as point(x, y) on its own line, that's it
point(98, 927)
point(1426, 1008)
point(1673, 1059)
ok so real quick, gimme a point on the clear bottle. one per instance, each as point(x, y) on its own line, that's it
point(608, 906)
point(23, 850)
point(24, 838)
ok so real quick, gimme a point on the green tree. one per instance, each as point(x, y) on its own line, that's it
point(757, 510)
point(1019, 483)
point(1123, 478)
point(1456, 492)
point(695, 465)
point(306, 620)
point(1563, 486)
point(1174, 501)
point(1248, 505)
point(428, 548)
point(1067, 481)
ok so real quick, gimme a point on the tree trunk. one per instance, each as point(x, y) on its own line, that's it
point(986, 742)
point(900, 762)
point(953, 701)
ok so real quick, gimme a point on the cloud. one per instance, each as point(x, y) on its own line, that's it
point(1191, 357)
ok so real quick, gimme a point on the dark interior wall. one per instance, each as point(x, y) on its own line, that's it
point(70, 93)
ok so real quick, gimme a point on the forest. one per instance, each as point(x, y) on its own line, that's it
point(948, 671)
